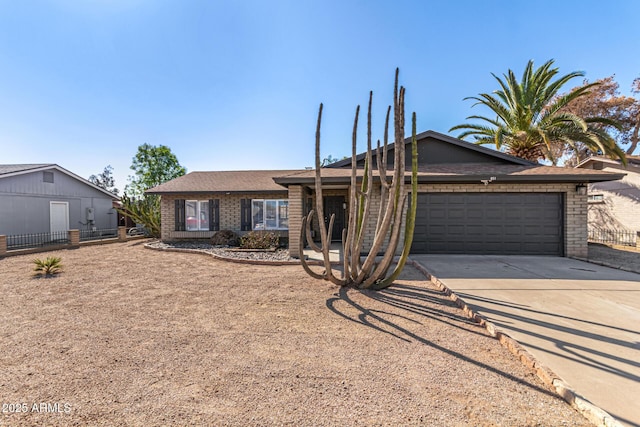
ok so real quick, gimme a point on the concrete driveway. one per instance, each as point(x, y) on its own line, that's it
point(579, 319)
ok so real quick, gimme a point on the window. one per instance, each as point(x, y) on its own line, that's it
point(270, 214)
point(596, 198)
point(197, 215)
point(47, 176)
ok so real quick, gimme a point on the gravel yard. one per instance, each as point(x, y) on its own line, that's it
point(227, 252)
point(628, 260)
point(132, 336)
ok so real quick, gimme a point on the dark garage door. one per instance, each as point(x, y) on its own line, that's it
point(489, 223)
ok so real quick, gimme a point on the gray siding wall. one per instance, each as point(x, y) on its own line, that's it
point(432, 151)
point(24, 203)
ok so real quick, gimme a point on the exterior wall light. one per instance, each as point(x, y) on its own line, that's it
point(581, 189)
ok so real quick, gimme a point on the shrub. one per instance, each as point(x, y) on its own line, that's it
point(225, 238)
point(144, 211)
point(49, 267)
point(259, 240)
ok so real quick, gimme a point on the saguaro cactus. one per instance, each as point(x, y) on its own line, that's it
point(370, 271)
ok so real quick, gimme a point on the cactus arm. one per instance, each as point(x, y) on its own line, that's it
point(303, 261)
point(324, 240)
point(327, 261)
point(411, 214)
point(307, 229)
point(387, 258)
point(353, 201)
point(365, 199)
point(390, 221)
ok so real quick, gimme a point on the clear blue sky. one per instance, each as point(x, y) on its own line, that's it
point(236, 84)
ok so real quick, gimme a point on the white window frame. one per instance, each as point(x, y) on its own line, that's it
point(279, 203)
point(595, 198)
point(198, 220)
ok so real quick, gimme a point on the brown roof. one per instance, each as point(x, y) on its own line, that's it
point(224, 182)
point(276, 180)
point(465, 172)
point(633, 161)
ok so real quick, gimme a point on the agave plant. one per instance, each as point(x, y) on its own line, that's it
point(48, 267)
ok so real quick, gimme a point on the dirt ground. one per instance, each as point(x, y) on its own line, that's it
point(616, 257)
point(131, 336)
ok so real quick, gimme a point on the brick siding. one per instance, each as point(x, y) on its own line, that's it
point(229, 213)
point(575, 210)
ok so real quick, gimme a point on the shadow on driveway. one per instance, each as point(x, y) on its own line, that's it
point(579, 319)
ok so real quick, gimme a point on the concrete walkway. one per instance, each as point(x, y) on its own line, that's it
point(579, 319)
point(334, 253)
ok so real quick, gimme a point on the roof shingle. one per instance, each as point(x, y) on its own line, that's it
point(224, 182)
point(6, 169)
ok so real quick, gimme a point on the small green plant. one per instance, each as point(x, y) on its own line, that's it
point(259, 240)
point(48, 267)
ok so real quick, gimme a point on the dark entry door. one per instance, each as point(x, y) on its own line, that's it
point(335, 205)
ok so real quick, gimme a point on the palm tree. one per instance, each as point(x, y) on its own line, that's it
point(530, 120)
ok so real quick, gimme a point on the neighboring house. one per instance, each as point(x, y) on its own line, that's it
point(42, 198)
point(614, 205)
point(473, 200)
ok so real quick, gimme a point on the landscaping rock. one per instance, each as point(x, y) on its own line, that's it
point(227, 251)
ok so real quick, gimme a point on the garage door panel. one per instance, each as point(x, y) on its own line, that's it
point(490, 198)
point(489, 223)
point(456, 199)
point(437, 213)
point(474, 247)
point(533, 199)
point(475, 213)
point(475, 230)
point(494, 211)
point(436, 230)
point(474, 199)
point(514, 213)
point(512, 230)
point(456, 247)
point(512, 247)
point(456, 230)
point(437, 199)
point(551, 215)
point(531, 230)
point(456, 213)
point(548, 231)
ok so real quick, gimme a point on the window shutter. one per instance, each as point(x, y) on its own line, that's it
point(179, 217)
point(245, 214)
point(214, 214)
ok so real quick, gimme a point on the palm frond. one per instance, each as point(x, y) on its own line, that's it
point(531, 119)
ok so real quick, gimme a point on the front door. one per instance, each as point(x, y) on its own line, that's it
point(58, 218)
point(335, 205)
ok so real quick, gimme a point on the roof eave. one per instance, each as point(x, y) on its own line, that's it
point(467, 179)
point(515, 179)
point(220, 192)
